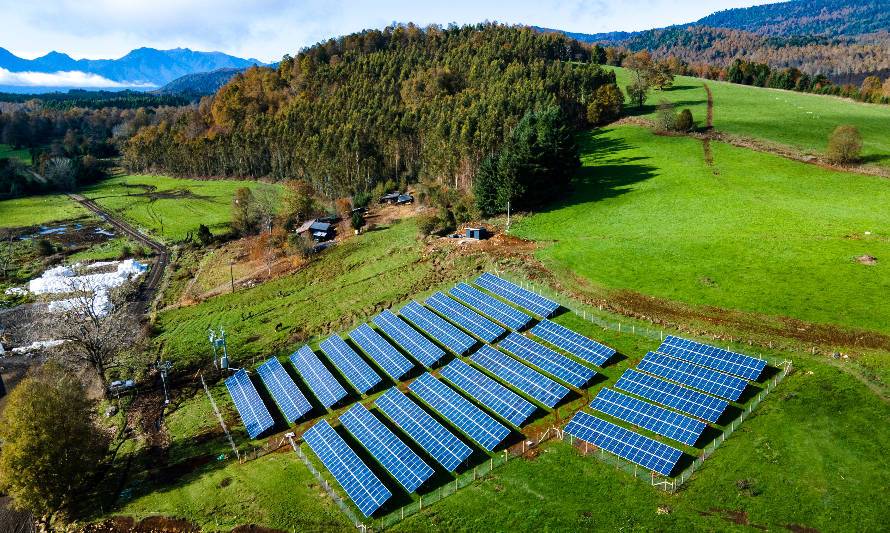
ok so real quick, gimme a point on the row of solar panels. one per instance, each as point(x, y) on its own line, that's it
point(659, 388)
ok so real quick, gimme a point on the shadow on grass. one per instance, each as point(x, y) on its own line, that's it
point(768, 373)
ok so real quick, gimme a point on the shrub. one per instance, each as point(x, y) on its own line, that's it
point(427, 223)
point(684, 121)
point(357, 220)
point(844, 145)
point(45, 248)
point(205, 237)
point(666, 117)
point(606, 105)
point(361, 199)
point(125, 252)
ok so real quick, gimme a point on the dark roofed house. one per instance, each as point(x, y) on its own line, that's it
point(319, 231)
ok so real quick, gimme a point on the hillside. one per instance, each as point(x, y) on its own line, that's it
point(200, 83)
point(829, 18)
point(142, 66)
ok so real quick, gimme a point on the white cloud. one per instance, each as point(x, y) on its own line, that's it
point(71, 78)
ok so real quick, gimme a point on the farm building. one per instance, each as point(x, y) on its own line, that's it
point(319, 231)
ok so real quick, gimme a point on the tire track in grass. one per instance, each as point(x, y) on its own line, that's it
point(709, 125)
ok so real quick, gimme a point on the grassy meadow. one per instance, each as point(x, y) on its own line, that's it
point(170, 208)
point(800, 120)
point(755, 232)
point(22, 154)
point(37, 210)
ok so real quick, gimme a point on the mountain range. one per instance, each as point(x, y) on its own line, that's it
point(142, 67)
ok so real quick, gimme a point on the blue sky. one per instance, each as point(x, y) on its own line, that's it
point(267, 29)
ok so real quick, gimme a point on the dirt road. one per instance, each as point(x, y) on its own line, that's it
point(162, 255)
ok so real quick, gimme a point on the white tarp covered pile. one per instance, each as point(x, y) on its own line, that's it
point(64, 280)
point(36, 346)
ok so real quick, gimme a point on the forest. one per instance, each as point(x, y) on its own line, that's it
point(394, 104)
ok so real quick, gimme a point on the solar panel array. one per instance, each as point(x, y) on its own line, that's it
point(576, 344)
point(513, 293)
point(646, 415)
point(382, 352)
point(250, 406)
point(568, 370)
point(501, 400)
point(489, 305)
point(357, 371)
point(529, 381)
point(473, 421)
point(646, 452)
point(283, 390)
point(672, 395)
point(361, 485)
point(327, 389)
point(465, 317)
point(699, 377)
point(438, 328)
point(717, 358)
point(398, 459)
point(409, 338)
point(425, 430)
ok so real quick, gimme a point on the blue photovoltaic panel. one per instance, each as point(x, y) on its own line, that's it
point(283, 390)
point(361, 485)
point(513, 293)
point(409, 338)
point(556, 364)
point(247, 400)
point(489, 305)
point(717, 358)
point(438, 328)
point(382, 352)
point(356, 370)
point(398, 459)
point(506, 403)
point(699, 377)
point(465, 317)
point(529, 381)
point(473, 421)
point(666, 393)
point(634, 447)
point(425, 430)
point(576, 344)
point(323, 385)
point(648, 416)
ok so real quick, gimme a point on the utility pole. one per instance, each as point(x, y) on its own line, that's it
point(165, 367)
point(232, 274)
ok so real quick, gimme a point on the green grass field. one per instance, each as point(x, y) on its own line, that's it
point(37, 210)
point(763, 234)
point(170, 208)
point(22, 154)
point(803, 121)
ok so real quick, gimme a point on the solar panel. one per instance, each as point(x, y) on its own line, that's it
point(576, 344)
point(438, 328)
point(717, 358)
point(529, 381)
point(505, 314)
point(473, 421)
point(556, 364)
point(666, 393)
point(361, 485)
point(501, 400)
point(646, 452)
point(283, 390)
point(409, 338)
point(646, 415)
point(383, 353)
point(356, 370)
point(323, 385)
point(699, 377)
point(425, 430)
point(398, 459)
point(513, 293)
point(250, 406)
point(465, 317)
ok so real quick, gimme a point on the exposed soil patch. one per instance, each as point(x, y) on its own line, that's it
point(867, 260)
point(739, 518)
point(255, 529)
point(797, 528)
point(152, 524)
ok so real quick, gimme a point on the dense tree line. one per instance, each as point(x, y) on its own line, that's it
point(402, 102)
point(127, 99)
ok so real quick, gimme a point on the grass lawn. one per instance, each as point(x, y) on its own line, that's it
point(168, 207)
point(37, 210)
point(800, 120)
point(763, 234)
point(22, 154)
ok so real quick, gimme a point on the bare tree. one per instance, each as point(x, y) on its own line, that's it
point(100, 326)
point(62, 172)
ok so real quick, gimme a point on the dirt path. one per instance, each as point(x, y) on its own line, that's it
point(162, 255)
